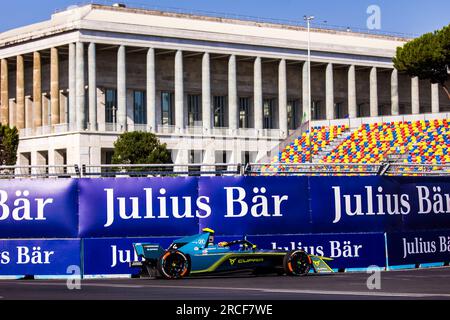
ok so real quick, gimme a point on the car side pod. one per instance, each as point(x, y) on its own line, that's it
point(319, 265)
point(149, 253)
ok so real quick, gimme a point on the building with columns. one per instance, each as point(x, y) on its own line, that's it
point(215, 90)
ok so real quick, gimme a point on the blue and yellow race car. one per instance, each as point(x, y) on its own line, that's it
point(198, 255)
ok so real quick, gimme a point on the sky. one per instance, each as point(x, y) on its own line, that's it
point(409, 17)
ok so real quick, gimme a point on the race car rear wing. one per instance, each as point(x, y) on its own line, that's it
point(149, 251)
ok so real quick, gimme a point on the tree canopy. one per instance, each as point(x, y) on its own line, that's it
point(427, 57)
point(139, 147)
point(9, 142)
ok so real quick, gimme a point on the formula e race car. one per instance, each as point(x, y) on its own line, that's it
point(198, 255)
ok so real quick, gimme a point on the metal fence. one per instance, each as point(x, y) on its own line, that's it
point(224, 169)
point(43, 171)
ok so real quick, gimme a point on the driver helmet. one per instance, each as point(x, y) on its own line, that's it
point(211, 235)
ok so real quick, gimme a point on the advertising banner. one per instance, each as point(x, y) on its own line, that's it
point(39, 257)
point(113, 255)
point(139, 207)
point(358, 250)
point(38, 208)
point(418, 247)
point(429, 199)
point(256, 205)
point(377, 204)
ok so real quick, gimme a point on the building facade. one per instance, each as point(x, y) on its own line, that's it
point(215, 90)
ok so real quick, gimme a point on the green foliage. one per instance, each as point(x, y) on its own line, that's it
point(426, 57)
point(140, 148)
point(9, 141)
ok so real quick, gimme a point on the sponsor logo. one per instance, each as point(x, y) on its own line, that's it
point(238, 202)
point(375, 201)
point(25, 207)
point(251, 260)
point(232, 261)
point(419, 246)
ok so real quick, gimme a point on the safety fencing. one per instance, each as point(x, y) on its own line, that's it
point(49, 225)
point(224, 169)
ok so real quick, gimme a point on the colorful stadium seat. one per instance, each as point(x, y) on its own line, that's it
point(421, 142)
point(302, 149)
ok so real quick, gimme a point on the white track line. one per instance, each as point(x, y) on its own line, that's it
point(269, 290)
point(109, 285)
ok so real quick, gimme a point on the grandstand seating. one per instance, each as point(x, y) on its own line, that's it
point(303, 148)
point(420, 142)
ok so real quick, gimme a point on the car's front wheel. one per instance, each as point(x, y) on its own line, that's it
point(174, 264)
point(297, 263)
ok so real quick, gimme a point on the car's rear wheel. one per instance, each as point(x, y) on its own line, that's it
point(174, 265)
point(297, 263)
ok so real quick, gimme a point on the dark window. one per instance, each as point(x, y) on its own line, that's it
point(268, 110)
point(219, 111)
point(246, 157)
point(140, 110)
point(166, 108)
point(292, 114)
point(194, 110)
point(339, 110)
point(316, 110)
point(244, 106)
point(111, 106)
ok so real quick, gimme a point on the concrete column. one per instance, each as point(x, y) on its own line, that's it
point(20, 93)
point(257, 95)
point(92, 67)
point(151, 90)
point(28, 112)
point(4, 96)
point(54, 85)
point(206, 93)
point(179, 92)
point(395, 108)
point(305, 94)
point(62, 107)
point(352, 112)
point(232, 95)
point(80, 87)
point(72, 86)
point(101, 111)
point(435, 98)
point(373, 92)
point(329, 91)
point(121, 88)
point(37, 90)
point(282, 98)
point(415, 102)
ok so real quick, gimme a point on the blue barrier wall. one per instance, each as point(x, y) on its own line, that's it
point(38, 208)
point(356, 215)
point(39, 257)
point(418, 247)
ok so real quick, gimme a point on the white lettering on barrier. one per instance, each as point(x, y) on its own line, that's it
point(126, 213)
point(36, 256)
point(122, 256)
point(260, 207)
point(21, 209)
point(430, 200)
point(128, 208)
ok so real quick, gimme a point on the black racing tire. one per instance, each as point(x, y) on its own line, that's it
point(174, 264)
point(297, 263)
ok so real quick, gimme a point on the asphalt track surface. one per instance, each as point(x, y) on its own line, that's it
point(432, 283)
